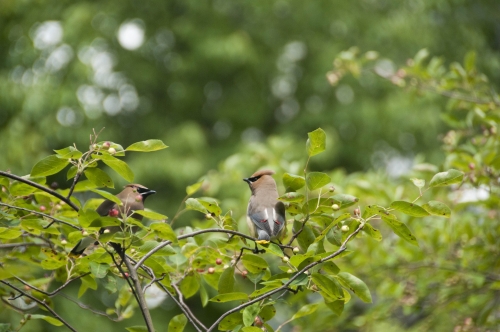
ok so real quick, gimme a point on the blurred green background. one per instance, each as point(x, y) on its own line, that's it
point(227, 83)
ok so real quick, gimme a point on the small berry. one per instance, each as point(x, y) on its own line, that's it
point(472, 166)
point(335, 207)
point(112, 150)
point(200, 270)
point(218, 261)
point(258, 321)
point(208, 216)
point(289, 271)
point(131, 250)
point(94, 146)
point(42, 208)
point(85, 233)
point(211, 270)
point(54, 185)
point(113, 213)
point(233, 262)
point(345, 228)
point(126, 274)
point(244, 273)
point(138, 198)
point(226, 266)
point(63, 242)
point(296, 249)
point(106, 145)
point(285, 259)
point(357, 212)
point(106, 231)
point(332, 189)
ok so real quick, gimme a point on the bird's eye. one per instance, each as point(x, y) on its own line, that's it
point(142, 190)
point(255, 178)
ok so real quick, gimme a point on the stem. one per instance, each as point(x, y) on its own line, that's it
point(43, 215)
point(38, 186)
point(285, 286)
point(140, 295)
point(40, 302)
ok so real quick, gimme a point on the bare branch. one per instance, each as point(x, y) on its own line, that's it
point(40, 302)
point(189, 315)
point(286, 285)
point(22, 244)
point(43, 215)
point(38, 186)
point(54, 292)
point(186, 308)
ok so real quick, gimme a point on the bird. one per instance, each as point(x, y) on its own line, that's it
point(132, 198)
point(265, 213)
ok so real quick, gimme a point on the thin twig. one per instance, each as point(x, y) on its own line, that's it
point(54, 292)
point(42, 303)
point(189, 315)
point(141, 301)
point(38, 186)
point(286, 285)
point(43, 215)
point(181, 300)
point(22, 244)
point(86, 307)
point(185, 236)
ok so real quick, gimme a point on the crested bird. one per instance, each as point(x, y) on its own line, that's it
point(265, 213)
point(132, 198)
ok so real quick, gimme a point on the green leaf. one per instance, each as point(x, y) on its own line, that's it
point(9, 233)
point(267, 312)
point(210, 205)
point(249, 314)
point(230, 321)
point(177, 323)
point(48, 319)
point(189, 286)
point(372, 232)
point(164, 231)
point(316, 143)
point(437, 208)
point(151, 215)
point(418, 182)
point(99, 270)
point(446, 178)
point(226, 281)
point(251, 329)
point(329, 286)
point(99, 177)
point(399, 228)
point(330, 267)
point(305, 310)
point(226, 297)
point(293, 182)
point(147, 146)
point(193, 188)
point(107, 195)
point(330, 226)
point(272, 249)
point(337, 307)
point(408, 208)
point(292, 197)
point(49, 165)
point(118, 166)
point(254, 263)
point(137, 329)
point(356, 285)
point(194, 204)
point(69, 152)
point(317, 180)
point(344, 200)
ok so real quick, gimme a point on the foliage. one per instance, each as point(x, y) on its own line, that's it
point(193, 260)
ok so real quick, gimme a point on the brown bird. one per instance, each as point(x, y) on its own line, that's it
point(132, 198)
point(265, 213)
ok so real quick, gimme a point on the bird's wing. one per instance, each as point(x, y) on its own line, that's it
point(261, 220)
point(279, 218)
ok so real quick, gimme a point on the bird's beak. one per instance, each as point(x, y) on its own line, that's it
point(147, 193)
point(247, 180)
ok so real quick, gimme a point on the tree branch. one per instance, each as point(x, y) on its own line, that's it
point(186, 309)
point(40, 302)
point(43, 215)
point(38, 186)
point(22, 244)
point(54, 292)
point(141, 301)
point(285, 286)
